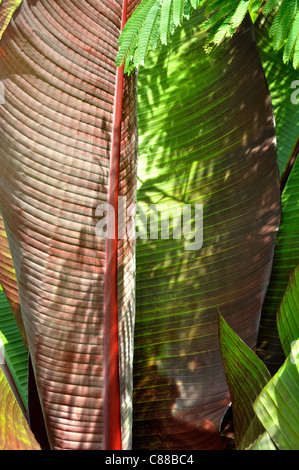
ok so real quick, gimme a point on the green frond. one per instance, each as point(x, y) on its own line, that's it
point(146, 33)
point(128, 39)
point(178, 11)
point(270, 6)
point(296, 54)
point(292, 39)
point(282, 23)
point(223, 21)
point(240, 13)
point(166, 20)
point(187, 10)
point(213, 6)
point(216, 17)
point(284, 30)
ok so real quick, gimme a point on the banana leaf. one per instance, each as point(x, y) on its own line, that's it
point(246, 376)
point(67, 149)
point(15, 433)
point(15, 355)
point(277, 405)
point(280, 78)
point(288, 313)
point(206, 143)
point(286, 258)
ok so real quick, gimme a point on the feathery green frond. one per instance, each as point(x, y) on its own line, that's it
point(143, 26)
point(178, 11)
point(270, 6)
point(285, 28)
point(166, 19)
point(147, 33)
point(220, 21)
point(128, 39)
point(282, 23)
point(292, 42)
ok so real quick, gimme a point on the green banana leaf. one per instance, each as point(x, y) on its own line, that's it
point(277, 406)
point(288, 313)
point(8, 280)
point(265, 408)
point(286, 258)
point(246, 376)
point(15, 433)
point(14, 351)
point(206, 136)
point(280, 78)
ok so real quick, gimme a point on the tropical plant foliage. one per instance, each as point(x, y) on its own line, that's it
point(15, 433)
point(212, 325)
point(265, 408)
point(154, 21)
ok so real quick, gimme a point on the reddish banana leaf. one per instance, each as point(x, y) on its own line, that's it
point(15, 433)
point(206, 136)
point(67, 145)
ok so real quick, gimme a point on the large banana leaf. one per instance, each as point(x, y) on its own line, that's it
point(67, 145)
point(206, 136)
point(280, 78)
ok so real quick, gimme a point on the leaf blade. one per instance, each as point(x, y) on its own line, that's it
point(246, 375)
point(277, 406)
point(15, 433)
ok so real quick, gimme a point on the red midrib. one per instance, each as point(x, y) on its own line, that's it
point(112, 398)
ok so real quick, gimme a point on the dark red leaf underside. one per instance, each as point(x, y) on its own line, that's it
point(57, 129)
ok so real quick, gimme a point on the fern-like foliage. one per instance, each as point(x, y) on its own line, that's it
point(154, 21)
point(285, 28)
point(151, 24)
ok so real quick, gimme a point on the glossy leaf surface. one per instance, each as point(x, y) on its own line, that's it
point(61, 122)
point(206, 136)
